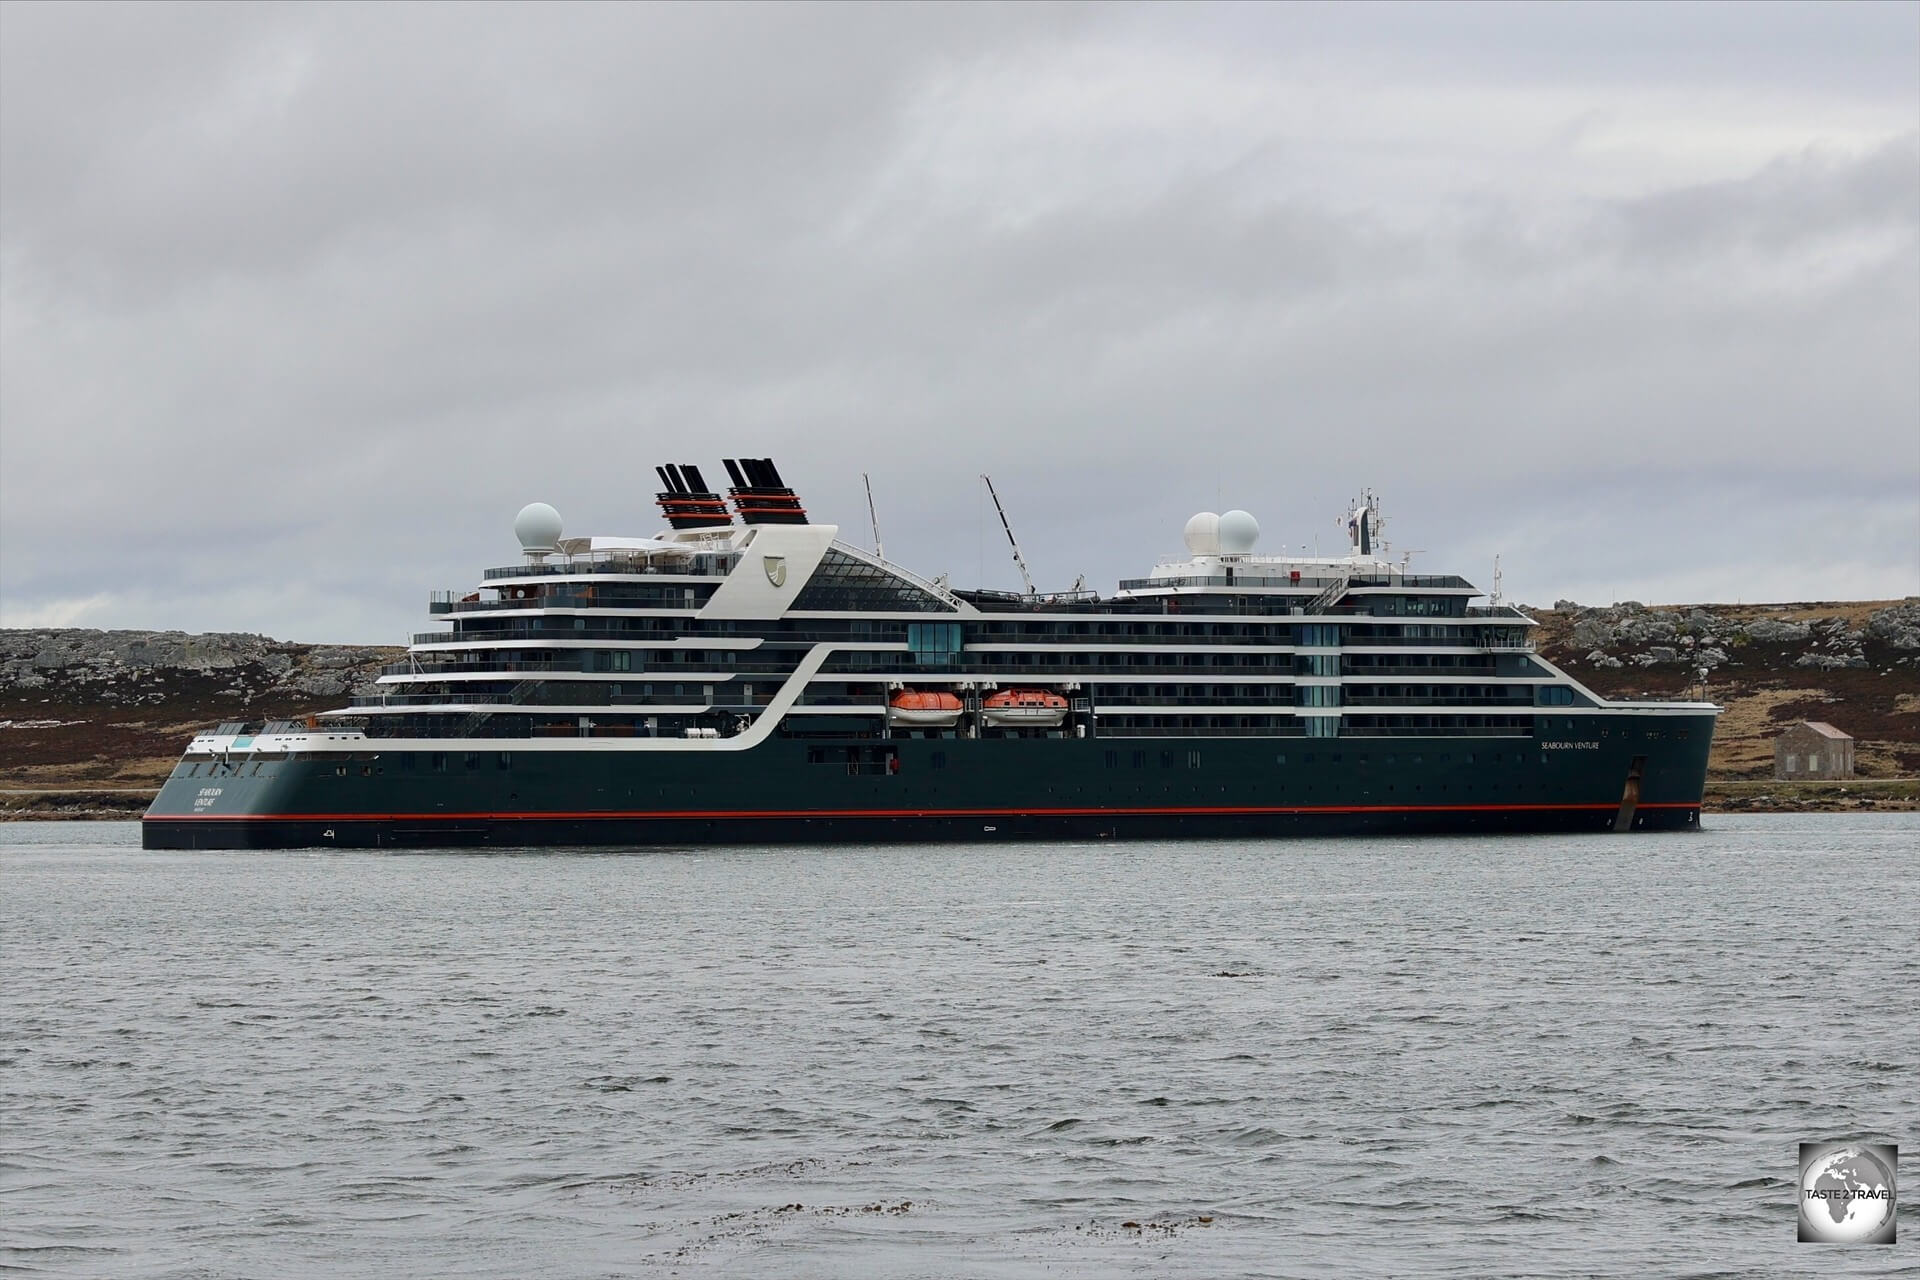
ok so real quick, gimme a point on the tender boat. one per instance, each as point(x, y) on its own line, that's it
point(1024, 708)
point(925, 709)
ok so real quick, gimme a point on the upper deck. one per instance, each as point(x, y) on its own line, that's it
point(712, 629)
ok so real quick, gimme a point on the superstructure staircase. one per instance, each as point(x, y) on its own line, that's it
point(519, 692)
point(1330, 597)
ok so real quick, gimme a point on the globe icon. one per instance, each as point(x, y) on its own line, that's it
point(1846, 1195)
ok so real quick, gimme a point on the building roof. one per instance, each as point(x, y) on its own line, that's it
point(1825, 730)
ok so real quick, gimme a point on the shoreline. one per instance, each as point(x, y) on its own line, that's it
point(1854, 795)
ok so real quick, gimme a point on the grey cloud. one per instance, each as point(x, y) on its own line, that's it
point(296, 315)
point(1805, 200)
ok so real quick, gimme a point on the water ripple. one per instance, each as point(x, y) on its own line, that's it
point(1476, 1057)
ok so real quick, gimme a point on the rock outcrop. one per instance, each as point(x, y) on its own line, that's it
point(151, 668)
point(1631, 634)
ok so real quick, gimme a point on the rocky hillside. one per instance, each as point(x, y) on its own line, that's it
point(115, 707)
point(1855, 665)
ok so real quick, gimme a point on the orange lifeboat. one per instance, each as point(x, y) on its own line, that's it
point(1024, 708)
point(910, 706)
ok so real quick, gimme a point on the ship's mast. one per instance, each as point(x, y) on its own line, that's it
point(1018, 559)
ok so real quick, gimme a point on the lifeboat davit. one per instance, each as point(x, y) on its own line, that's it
point(910, 706)
point(1024, 708)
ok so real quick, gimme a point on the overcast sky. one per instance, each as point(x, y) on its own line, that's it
point(299, 304)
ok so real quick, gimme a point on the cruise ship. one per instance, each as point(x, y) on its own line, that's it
point(747, 676)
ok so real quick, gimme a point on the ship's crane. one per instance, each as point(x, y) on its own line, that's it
point(873, 517)
point(1018, 559)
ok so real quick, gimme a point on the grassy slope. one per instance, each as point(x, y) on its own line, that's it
point(1763, 692)
point(109, 744)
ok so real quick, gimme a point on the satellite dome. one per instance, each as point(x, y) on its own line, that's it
point(538, 528)
point(1238, 532)
point(1203, 534)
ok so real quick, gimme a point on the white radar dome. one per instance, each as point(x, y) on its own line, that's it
point(1203, 534)
point(1238, 532)
point(538, 527)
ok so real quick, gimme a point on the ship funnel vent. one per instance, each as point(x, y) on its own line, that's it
point(760, 495)
point(686, 500)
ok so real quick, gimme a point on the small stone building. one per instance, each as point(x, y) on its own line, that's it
point(1812, 749)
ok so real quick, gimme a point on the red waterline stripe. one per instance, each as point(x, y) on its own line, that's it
point(1237, 810)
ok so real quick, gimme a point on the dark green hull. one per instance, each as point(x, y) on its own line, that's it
point(1648, 774)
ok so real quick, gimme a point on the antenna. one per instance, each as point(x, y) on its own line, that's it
point(878, 550)
point(1496, 579)
point(1017, 557)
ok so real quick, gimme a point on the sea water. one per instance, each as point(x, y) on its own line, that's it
point(1539, 1056)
